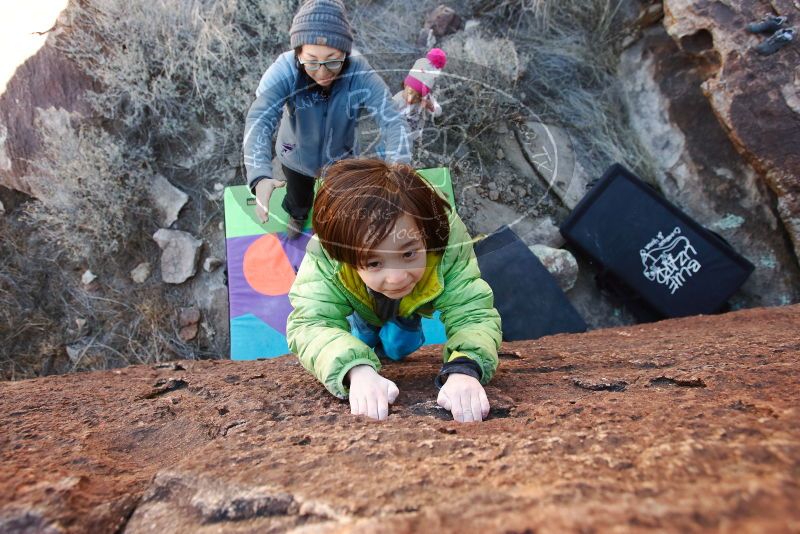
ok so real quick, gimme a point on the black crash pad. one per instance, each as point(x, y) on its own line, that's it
point(530, 302)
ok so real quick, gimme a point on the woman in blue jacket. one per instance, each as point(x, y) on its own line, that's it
point(316, 91)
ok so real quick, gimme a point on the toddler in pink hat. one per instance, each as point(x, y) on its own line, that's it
point(416, 102)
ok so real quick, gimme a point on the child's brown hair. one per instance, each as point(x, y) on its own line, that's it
point(361, 199)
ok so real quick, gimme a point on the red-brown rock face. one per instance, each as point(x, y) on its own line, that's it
point(683, 425)
point(47, 80)
point(756, 98)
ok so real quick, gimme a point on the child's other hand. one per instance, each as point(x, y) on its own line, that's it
point(370, 393)
point(264, 190)
point(465, 397)
point(428, 104)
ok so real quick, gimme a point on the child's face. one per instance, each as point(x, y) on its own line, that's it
point(397, 263)
point(411, 95)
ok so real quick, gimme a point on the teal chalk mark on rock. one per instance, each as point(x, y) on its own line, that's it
point(768, 261)
point(729, 222)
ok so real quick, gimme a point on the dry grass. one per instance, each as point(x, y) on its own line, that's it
point(165, 64)
point(51, 323)
point(93, 191)
point(572, 49)
point(173, 75)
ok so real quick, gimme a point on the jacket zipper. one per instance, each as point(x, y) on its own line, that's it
point(324, 127)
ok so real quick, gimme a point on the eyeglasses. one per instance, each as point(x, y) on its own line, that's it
point(331, 64)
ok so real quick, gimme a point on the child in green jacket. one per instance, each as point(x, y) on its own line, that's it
point(387, 250)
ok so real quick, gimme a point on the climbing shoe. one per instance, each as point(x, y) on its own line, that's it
point(778, 40)
point(769, 24)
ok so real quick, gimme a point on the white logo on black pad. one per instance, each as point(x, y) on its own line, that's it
point(669, 260)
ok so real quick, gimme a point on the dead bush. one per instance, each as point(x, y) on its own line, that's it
point(169, 68)
point(176, 78)
point(93, 193)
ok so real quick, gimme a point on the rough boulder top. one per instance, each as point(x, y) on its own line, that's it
point(683, 425)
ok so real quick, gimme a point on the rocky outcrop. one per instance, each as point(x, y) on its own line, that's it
point(698, 167)
point(754, 97)
point(549, 152)
point(47, 80)
point(682, 425)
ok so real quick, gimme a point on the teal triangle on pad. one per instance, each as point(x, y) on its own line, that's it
point(252, 338)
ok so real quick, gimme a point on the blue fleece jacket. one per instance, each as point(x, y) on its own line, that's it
point(317, 127)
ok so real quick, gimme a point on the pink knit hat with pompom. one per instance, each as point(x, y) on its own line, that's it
point(423, 74)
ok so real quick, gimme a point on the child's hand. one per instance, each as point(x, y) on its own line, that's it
point(370, 393)
point(264, 190)
point(428, 104)
point(465, 397)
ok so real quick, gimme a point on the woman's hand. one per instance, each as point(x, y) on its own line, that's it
point(465, 397)
point(264, 190)
point(370, 393)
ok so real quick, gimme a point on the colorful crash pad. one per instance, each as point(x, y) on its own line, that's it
point(262, 263)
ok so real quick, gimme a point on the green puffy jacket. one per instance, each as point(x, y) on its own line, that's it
point(326, 291)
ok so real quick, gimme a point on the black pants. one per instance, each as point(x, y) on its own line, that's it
point(299, 193)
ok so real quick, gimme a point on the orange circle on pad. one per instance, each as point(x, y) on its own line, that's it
point(266, 267)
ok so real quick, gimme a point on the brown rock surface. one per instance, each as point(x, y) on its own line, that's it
point(443, 21)
point(683, 425)
point(754, 97)
point(47, 80)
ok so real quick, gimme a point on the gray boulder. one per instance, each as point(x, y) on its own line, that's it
point(179, 253)
point(167, 199)
point(141, 272)
point(496, 54)
point(549, 150)
point(560, 263)
point(443, 21)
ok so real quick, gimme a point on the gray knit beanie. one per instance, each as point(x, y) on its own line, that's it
point(322, 22)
